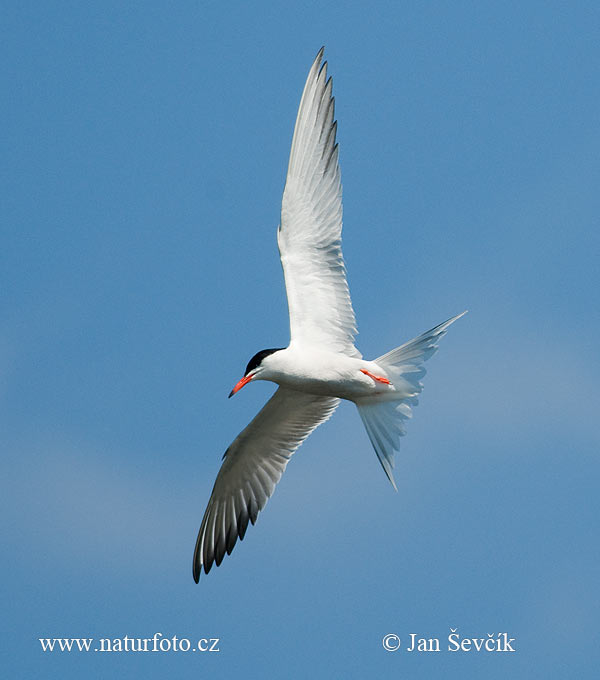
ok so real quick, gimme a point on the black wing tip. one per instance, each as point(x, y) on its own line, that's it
point(317, 62)
point(224, 548)
point(333, 151)
point(196, 569)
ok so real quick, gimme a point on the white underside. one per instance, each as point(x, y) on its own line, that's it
point(325, 373)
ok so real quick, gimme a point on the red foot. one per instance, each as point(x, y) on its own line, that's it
point(375, 377)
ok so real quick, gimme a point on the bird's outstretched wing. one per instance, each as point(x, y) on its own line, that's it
point(310, 233)
point(251, 468)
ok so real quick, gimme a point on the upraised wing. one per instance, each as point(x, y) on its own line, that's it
point(251, 468)
point(310, 233)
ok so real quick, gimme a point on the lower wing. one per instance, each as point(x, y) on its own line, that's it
point(251, 468)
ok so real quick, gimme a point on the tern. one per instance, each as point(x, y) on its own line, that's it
point(321, 365)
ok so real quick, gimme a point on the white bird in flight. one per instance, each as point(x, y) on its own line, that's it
point(321, 365)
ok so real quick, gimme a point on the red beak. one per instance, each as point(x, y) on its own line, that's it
point(244, 381)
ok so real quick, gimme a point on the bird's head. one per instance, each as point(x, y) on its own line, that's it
point(257, 368)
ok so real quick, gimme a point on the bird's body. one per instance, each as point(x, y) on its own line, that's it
point(328, 374)
point(321, 365)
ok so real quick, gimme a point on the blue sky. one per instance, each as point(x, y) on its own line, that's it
point(145, 147)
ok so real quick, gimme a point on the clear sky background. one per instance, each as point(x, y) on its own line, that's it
point(144, 154)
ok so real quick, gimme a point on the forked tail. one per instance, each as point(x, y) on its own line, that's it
point(384, 414)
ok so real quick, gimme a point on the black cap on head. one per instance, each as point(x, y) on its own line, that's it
point(258, 357)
